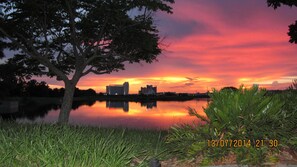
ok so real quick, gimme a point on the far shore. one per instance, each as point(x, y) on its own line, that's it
point(132, 98)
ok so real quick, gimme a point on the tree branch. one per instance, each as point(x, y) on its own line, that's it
point(43, 60)
point(45, 32)
point(95, 72)
point(100, 37)
point(74, 40)
point(79, 59)
point(87, 71)
point(91, 59)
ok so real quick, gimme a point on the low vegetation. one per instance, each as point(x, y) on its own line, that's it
point(57, 145)
point(246, 124)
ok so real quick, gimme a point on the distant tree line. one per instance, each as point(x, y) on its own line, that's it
point(16, 80)
point(33, 88)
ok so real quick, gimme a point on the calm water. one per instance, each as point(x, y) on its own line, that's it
point(150, 115)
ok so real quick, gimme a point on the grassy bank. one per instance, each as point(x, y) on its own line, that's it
point(56, 145)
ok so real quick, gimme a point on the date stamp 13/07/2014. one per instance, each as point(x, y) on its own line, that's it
point(242, 143)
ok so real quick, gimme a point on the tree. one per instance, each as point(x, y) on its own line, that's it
point(37, 89)
point(13, 76)
point(10, 83)
point(293, 27)
point(229, 88)
point(72, 38)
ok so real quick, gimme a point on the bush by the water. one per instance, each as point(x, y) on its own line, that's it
point(262, 124)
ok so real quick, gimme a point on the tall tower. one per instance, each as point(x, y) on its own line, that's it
point(126, 88)
point(108, 90)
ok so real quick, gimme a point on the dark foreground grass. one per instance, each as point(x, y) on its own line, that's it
point(57, 145)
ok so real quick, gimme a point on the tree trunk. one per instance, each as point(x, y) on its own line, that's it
point(67, 103)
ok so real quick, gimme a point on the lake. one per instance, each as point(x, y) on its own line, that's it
point(144, 115)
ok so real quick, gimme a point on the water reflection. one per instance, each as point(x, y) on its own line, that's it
point(151, 115)
point(124, 105)
point(77, 104)
point(118, 104)
point(163, 116)
point(149, 105)
point(30, 112)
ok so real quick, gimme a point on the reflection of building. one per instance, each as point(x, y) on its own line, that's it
point(149, 105)
point(148, 90)
point(118, 89)
point(118, 104)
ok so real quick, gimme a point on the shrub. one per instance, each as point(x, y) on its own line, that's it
point(246, 115)
point(290, 110)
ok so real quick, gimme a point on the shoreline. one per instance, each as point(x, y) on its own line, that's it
point(127, 98)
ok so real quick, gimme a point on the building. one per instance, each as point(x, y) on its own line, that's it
point(118, 89)
point(148, 90)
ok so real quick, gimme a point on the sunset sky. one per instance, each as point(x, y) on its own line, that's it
point(211, 44)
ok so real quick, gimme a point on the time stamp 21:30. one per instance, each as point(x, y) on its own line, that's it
point(242, 143)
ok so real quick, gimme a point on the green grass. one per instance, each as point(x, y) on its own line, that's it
point(57, 145)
